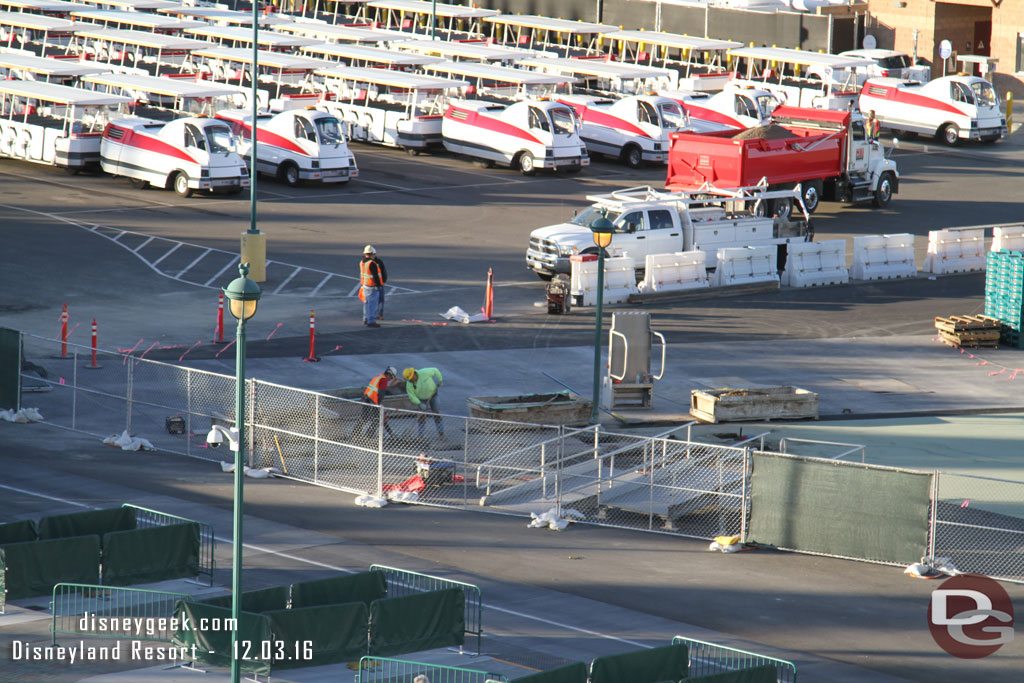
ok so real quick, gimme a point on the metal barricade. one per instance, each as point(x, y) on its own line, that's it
point(146, 519)
point(709, 658)
point(110, 612)
point(403, 582)
point(373, 669)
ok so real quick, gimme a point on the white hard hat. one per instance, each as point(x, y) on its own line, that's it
point(391, 370)
point(368, 249)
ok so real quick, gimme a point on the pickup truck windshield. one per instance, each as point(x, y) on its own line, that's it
point(985, 94)
point(766, 104)
point(219, 139)
point(587, 217)
point(894, 62)
point(329, 130)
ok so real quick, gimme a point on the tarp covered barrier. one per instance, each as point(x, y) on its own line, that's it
point(337, 633)
point(666, 663)
point(97, 522)
point(571, 673)
point(33, 568)
point(154, 554)
point(213, 644)
point(852, 511)
point(10, 369)
point(363, 587)
point(417, 622)
point(758, 674)
point(262, 600)
point(18, 532)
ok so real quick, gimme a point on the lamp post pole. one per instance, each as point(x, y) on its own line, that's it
point(433, 19)
point(243, 295)
point(602, 229)
point(255, 111)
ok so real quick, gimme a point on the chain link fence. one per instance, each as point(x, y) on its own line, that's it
point(654, 483)
point(979, 525)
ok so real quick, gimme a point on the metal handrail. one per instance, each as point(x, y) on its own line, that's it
point(625, 353)
point(854, 447)
point(660, 336)
point(751, 438)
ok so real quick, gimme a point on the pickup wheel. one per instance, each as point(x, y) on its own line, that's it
point(632, 156)
point(883, 193)
point(812, 195)
point(526, 163)
point(180, 184)
point(950, 134)
point(288, 173)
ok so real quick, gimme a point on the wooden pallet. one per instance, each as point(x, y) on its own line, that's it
point(969, 331)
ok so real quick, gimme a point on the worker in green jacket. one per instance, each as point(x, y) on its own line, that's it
point(422, 386)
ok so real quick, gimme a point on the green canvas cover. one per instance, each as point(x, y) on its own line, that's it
point(571, 673)
point(417, 622)
point(758, 674)
point(154, 554)
point(666, 663)
point(96, 522)
point(18, 532)
point(213, 646)
point(338, 633)
point(261, 600)
point(33, 568)
point(362, 587)
point(822, 507)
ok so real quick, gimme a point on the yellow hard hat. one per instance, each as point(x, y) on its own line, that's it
point(409, 373)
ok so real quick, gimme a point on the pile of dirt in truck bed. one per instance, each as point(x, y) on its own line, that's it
point(769, 132)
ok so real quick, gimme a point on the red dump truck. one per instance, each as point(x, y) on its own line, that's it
point(827, 153)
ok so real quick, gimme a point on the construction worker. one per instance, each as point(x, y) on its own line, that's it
point(421, 386)
point(372, 276)
point(374, 394)
point(873, 126)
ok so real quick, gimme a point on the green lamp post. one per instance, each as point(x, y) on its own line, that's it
point(243, 296)
point(602, 229)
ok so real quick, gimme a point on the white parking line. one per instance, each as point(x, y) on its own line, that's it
point(322, 283)
point(287, 280)
point(196, 260)
point(168, 253)
point(148, 240)
point(220, 272)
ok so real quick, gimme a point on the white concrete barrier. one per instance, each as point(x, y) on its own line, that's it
point(1010, 237)
point(955, 250)
point(746, 265)
point(675, 272)
point(883, 257)
point(619, 281)
point(812, 264)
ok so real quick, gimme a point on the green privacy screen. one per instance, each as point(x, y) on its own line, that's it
point(666, 663)
point(146, 555)
point(10, 369)
point(847, 510)
point(760, 674)
point(213, 643)
point(18, 532)
point(83, 523)
point(572, 673)
point(363, 587)
point(262, 600)
point(417, 622)
point(336, 633)
point(33, 568)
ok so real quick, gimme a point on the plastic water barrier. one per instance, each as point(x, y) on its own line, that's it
point(955, 250)
point(619, 281)
point(1009, 237)
point(883, 257)
point(812, 264)
point(674, 272)
point(746, 265)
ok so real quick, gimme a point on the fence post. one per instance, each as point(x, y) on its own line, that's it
point(128, 397)
point(380, 449)
point(74, 390)
point(543, 478)
point(650, 484)
point(250, 419)
point(465, 461)
point(316, 433)
point(934, 514)
point(188, 412)
point(743, 494)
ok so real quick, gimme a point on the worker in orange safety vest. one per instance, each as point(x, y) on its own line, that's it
point(373, 394)
point(372, 276)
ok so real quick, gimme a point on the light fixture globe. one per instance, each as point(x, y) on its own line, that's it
point(243, 294)
point(602, 229)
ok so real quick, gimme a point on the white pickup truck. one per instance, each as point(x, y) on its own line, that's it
point(649, 221)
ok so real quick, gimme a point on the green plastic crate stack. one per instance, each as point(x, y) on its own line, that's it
point(1004, 293)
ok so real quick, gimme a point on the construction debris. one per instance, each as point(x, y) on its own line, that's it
point(969, 331)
